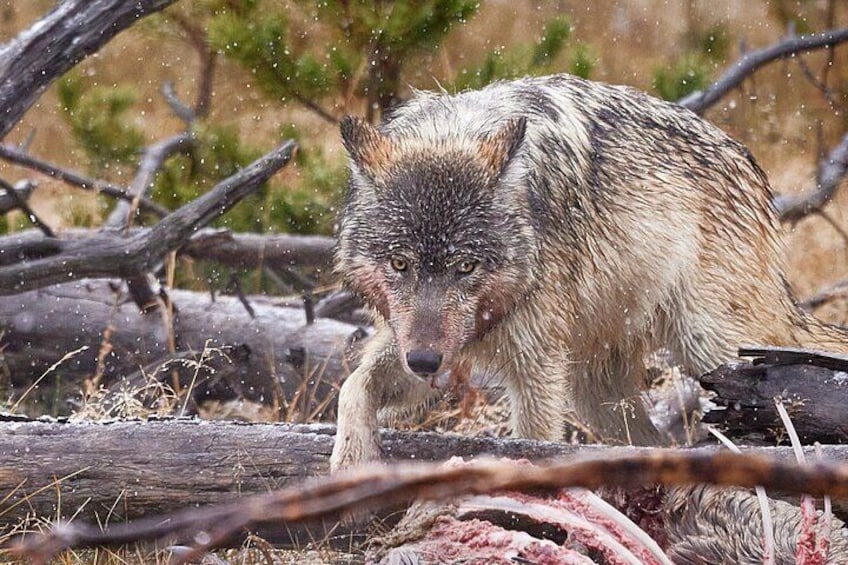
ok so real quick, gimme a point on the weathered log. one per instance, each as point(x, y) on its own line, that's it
point(123, 470)
point(40, 327)
point(813, 387)
point(237, 250)
point(250, 251)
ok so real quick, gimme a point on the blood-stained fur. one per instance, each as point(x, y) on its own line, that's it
point(554, 230)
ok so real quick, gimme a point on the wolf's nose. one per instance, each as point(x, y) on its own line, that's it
point(424, 362)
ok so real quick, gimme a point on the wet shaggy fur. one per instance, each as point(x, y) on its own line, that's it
point(552, 231)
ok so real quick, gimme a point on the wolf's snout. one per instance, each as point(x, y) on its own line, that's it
point(424, 362)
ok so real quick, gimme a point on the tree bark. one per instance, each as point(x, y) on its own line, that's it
point(40, 327)
point(123, 470)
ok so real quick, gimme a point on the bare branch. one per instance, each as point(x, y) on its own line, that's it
point(22, 191)
point(151, 161)
point(238, 250)
point(836, 291)
point(105, 255)
point(183, 112)
point(12, 192)
point(208, 58)
point(70, 32)
point(18, 157)
point(701, 100)
point(792, 208)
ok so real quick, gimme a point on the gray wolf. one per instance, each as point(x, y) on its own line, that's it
point(555, 229)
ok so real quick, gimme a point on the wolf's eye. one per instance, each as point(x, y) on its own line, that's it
point(466, 267)
point(398, 264)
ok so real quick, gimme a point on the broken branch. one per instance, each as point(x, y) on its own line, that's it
point(18, 157)
point(108, 255)
point(701, 100)
point(56, 43)
point(832, 170)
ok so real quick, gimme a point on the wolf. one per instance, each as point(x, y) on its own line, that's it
point(554, 230)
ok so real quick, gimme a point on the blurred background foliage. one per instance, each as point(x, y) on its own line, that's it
point(362, 58)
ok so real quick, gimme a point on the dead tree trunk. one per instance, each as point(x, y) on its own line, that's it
point(125, 470)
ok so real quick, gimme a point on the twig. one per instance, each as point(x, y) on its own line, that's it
point(22, 190)
point(182, 111)
point(792, 208)
point(234, 286)
point(701, 100)
point(18, 157)
point(819, 85)
point(12, 192)
point(152, 160)
point(105, 255)
point(307, 102)
point(375, 486)
point(838, 290)
point(833, 223)
point(282, 286)
point(208, 58)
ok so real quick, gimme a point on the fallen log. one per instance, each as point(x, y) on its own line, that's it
point(285, 356)
point(813, 386)
point(123, 470)
point(237, 250)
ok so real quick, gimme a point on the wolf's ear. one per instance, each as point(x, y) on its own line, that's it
point(497, 149)
point(369, 149)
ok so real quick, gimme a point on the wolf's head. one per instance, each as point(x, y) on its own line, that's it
point(436, 236)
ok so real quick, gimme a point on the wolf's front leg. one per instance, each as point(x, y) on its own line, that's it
point(357, 435)
point(539, 397)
